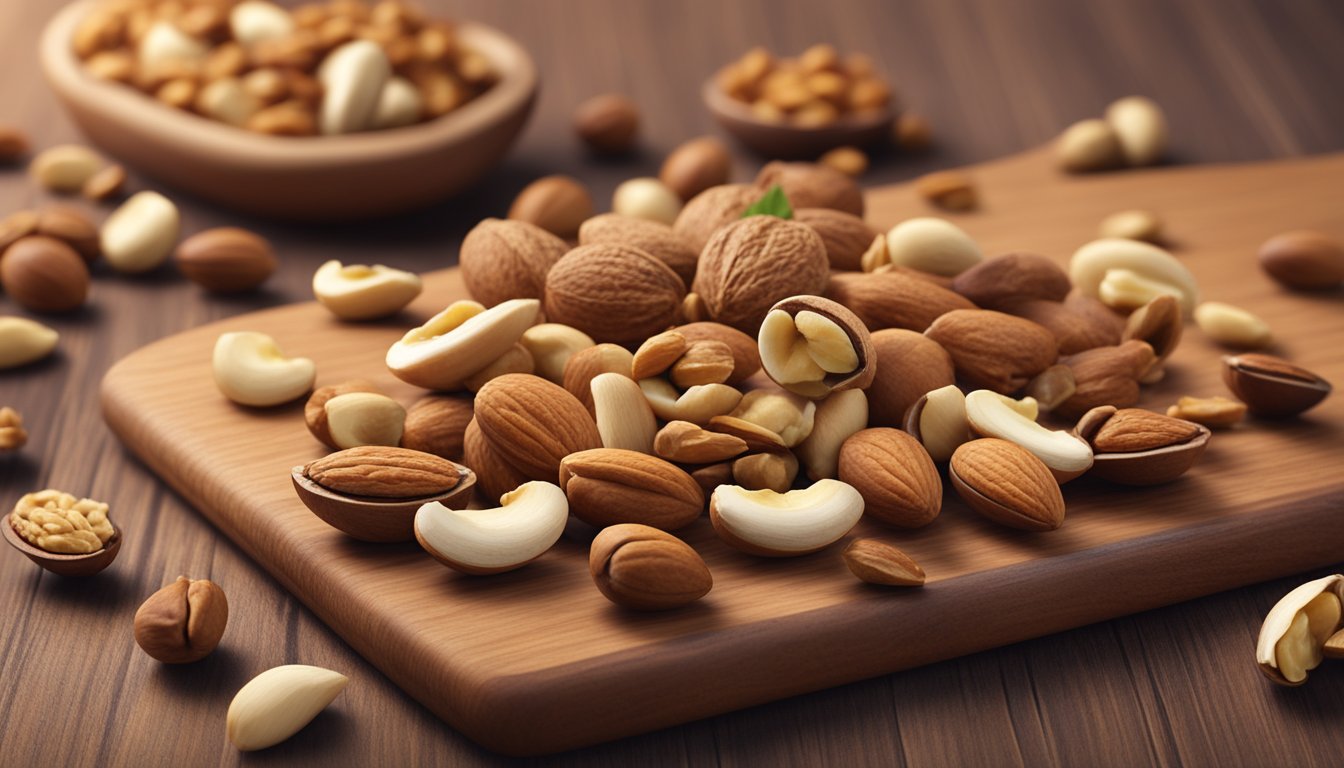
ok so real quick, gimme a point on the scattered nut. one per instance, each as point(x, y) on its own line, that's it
point(642, 568)
point(838, 416)
point(532, 424)
point(1304, 260)
point(716, 207)
point(43, 274)
point(557, 204)
point(850, 161)
point(1297, 629)
point(251, 370)
point(706, 361)
point(12, 434)
point(990, 414)
point(847, 237)
point(436, 424)
point(364, 418)
point(610, 486)
point(1134, 224)
point(505, 259)
point(695, 166)
point(71, 227)
point(226, 259)
point(623, 415)
point(24, 341)
point(608, 124)
point(13, 144)
point(65, 169)
point(1141, 129)
point(912, 132)
point(551, 346)
point(1213, 412)
point(766, 471)
point(105, 184)
point(786, 414)
point(459, 342)
point(648, 199)
point(613, 293)
point(697, 405)
point(278, 703)
point(785, 524)
point(932, 245)
point(1138, 271)
point(897, 479)
point(1052, 387)
point(894, 299)
point(59, 523)
point(652, 237)
point(1006, 281)
point(528, 522)
point(994, 350)
point(1106, 376)
point(585, 365)
point(809, 185)
point(183, 622)
point(1159, 324)
point(1271, 386)
point(139, 235)
point(751, 264)
point(876, 562)
point(1232, 326)
point(687, 443)
point(949, 190)
point(1007, 484)
point(1089, 145)
point(1132, 446)
point(938, 421)
point(315, 410)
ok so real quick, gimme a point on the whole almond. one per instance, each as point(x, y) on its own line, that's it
point(643, 568)
point(1106, 376)
point(608, 123)
point(994, 350)
point(950, 190)
point(754, 262)
point(687, 443)
point(533, 424)
point(505, 259)
point(746, 355)
point(656, 239)
point(695, 166)
point(71, 227)
point(557, 204)
point(1304, 260)
point(437, 424)
point(909, 364)
point(384, 472)
point(894, 474)
point(226, 259)
point(495, 475)
point(1007, 484)
point(876, 562)
point(1134, 429)
point(893, 299)
point(609, 486)
point(811, 185)
point(43, 274)
point(587, 364)
point(846, 236)
point(713, 208)
point(1002, 281)
point(1079, 323)
point(613, 293)
point(15, 226)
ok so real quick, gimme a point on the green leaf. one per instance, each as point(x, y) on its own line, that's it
point(774, 203)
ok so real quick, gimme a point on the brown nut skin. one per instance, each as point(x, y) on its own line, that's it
point(716, 207)
point(557, 204)
point(746, 356)
point(609, 486)
point(695, 166)
point(891, 470)
point(652, 237)
point(533, 424)
point(43, 274)
point(226, 259)
point(1007, 484)
point(1012, 278)
point(845, 235)
point(893, 299)
point(909, 364)
point(645, 569)
point(1079, 323)
point(754, 262)
point(183, 622)
point(504, 259)
point(613, 293)
point(437, 424)
point(1106, 376)
point(607, 123)
point(994, 350)
point(1304, 260)
point(811, 185)
point(496, 476)
point(1272, 387)
point(71, 227)
point(1132, 446)
point(875, 562)
point(854, 329)
point(315, 410)
point(587, 364)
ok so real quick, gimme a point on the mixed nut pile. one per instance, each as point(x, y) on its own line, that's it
point(323, 68)
point(816, 89)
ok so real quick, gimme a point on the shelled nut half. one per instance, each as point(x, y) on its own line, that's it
point(1297, 628)
point(697, 405)
point(1007, 484)
point(251, 370)
point(1132, 446)
point(938, 421)
point(993, 415)
point(1137, 271)
point(1271, 386)
point(183, 622)
point(610, 486)
point(278, 703)
point(528, 522)
point(785, 524)
point(360, 292)
point(643, 568)
point(876, 562)
point(459, 342)
point(813, 346)
point(24, 341)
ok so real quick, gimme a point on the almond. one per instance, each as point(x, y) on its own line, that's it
point(654, 238)
point(810, 185)
point(893, 300)
point(557, 204)
point(71, 227)
point(1159, 323)
point(876, 562)
point(909, 364)
point(226, 259)
point(705, 362)
point(1106, 376)
point(754, 262)
point(950, 190)
point(43, 274)
point(504, 260)
point(587, 364)
point(613, 293)
point(994, 350)
point(713, 208)
point(1012, 278)
point(533, 424)
point(894, 474)
point(687, 443)
point(609, 486)
point(696, 166)
point(657, 354)
point(495, 474)
point(845, 235)
point(1304, 260)
point(746, 355)
point(1138, 447)
point(1271, 386)
point(1134, 429)
point(1007, 484)
point(607, 123)
point(383, 472)
point(639, 567)
point(437, 424)
point(1079, 323)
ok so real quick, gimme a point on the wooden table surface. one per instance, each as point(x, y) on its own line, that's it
point(1239, 80)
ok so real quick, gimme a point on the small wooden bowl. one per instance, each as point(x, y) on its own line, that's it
point(785, 141)
point(366, 518)
point(315, 178)
point(65, 565)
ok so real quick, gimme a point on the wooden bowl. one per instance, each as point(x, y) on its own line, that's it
point(65, 565)
point(785, 141)
point(378, 520)
point(312, 178)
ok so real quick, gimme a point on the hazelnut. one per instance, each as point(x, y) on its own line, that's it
point(608, 124)
point(44, 275)
point(182, 622)
point(1304, 260)
point(557, 204)
point(696, 166)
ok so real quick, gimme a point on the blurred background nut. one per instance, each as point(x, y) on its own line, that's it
point(12, 434)
point(1213, 412)
point(1135, 224)
point(949, 190)
point(504, 259)
point(912, 132)
point(810, 185)
point(315, 410)
point(648, 199)
point(43, 274)
point(360, 292)
point(183, 622)
point(226, 259)
point(643, 568)
point(846, 236)
point(716, 207)
point(139, 235)
point(24, 341)
point(850, 161)
point(1271, 386)
point(105, 184)
point(695, 166)
point(1232, 326)
point(608, 123)
point(1141, 128)
point(557, 204)
point(1305, 260)
point(1089, 145)
point(65, 168)
point(71, 227)
point(932, 245)
point(1104, 260)
point(13, 144)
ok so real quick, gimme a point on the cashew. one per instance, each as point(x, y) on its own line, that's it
point(1141, 128)
point(359, 292)
point(139, 235)
point(624, 417)
point(364, 418)
point(250, 369)
point(697, 405)
point(788, 415)
point(399, 104)
point(551, 345)
point(353, 75)
point(65, 168)
point(942, 422)
point(24, 341)
point(932, 245)
point(1297, 628)
point(993, 415)
point(461, 340)
point(782, 524)
point(1232, 326)
point(164, 45)
point(1090, 264)
point(646, 198)
point(1127, 290)
point(528, 522)
point(516, 360)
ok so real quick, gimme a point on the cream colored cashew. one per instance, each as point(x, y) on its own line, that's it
point(551, 345)
point(942, 422)
point(139, 235)
point(528, 522)
point(993, 415)
point(697, 405)
point(790, 416)
point(23, 341)
point(359, 292)
point(838, 416)
point(1153, 266)
point(460, 341)
point(251, 370)
point(624, 417)
point(364, 418)
point(1290, 641)
point(788, 523)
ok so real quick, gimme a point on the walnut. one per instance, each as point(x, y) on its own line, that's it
point(57, 522)
point(12, 434)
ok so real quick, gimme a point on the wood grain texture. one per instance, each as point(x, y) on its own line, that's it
point(1240, 79)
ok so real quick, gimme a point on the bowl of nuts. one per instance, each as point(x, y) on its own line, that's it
point(332, 110)
point(800, 108)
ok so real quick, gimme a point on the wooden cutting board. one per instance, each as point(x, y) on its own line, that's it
point(538, 661)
